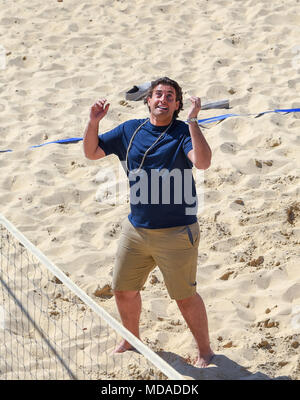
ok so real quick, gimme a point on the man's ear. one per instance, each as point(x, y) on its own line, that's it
point(177, 105)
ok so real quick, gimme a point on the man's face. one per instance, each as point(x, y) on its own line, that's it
point(163, 102)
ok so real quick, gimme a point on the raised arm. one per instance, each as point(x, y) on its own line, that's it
point(90, 140)
point(201, 153)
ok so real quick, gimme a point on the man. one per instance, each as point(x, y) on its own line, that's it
point(162, 228)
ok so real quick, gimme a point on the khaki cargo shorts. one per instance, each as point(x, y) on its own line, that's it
point(173, 250)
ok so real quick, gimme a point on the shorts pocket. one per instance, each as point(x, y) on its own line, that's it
point(193, 234)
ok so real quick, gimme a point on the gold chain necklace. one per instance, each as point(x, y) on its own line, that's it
point(147, 151)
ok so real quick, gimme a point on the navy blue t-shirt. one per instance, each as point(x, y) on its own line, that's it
point(163, 193)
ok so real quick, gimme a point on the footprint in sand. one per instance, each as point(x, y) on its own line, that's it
point(230, 147)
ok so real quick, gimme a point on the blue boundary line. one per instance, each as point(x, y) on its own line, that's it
point(219, 118)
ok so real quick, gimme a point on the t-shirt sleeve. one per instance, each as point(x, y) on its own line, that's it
point(111, 141)
point(187, 144)
point(186, 141)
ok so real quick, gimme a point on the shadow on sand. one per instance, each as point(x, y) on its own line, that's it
point(221, 368)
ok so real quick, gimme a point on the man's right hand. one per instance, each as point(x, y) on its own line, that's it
point(99, 110)
point(91, 140)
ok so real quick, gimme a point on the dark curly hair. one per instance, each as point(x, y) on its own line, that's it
point(166, 81)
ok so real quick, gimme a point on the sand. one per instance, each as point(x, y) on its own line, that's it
point(62, 56)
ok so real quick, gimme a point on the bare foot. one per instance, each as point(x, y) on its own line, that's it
point(122, 347)
point(204, 361)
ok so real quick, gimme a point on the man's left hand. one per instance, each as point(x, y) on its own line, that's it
point(195, 107)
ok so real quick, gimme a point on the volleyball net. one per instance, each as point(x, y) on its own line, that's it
point(51, 329)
